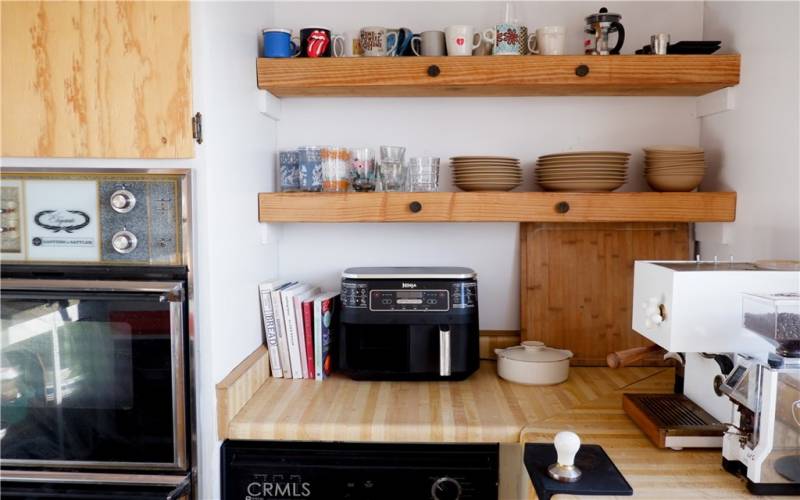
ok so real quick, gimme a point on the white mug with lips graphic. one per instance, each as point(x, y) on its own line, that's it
point(461, 40)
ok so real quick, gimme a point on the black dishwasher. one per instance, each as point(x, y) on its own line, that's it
point(272, 470)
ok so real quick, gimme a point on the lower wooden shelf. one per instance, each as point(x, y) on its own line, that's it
point(497, 207)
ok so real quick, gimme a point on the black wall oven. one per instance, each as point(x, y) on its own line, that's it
point(95, 375)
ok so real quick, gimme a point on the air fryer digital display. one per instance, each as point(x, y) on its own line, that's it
point(409, 300)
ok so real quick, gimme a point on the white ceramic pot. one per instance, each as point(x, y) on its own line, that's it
point(533, 363)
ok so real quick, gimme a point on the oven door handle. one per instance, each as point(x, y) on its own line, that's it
point(94, 286)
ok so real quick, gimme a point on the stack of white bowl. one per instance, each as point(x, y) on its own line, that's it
point(486, 173)
point(586, 171)
point(674, 168)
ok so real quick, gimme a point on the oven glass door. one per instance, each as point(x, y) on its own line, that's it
point(91, 374)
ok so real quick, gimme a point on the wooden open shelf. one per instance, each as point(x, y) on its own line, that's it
point(672, 75)
point(497, 207)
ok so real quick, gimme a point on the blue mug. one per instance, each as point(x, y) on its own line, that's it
point(278, 43)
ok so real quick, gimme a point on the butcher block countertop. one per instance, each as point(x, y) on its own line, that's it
point(481, 409)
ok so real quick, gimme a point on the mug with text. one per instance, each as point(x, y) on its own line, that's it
point(377, 41)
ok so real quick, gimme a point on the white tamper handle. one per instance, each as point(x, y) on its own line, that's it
point(567, 445)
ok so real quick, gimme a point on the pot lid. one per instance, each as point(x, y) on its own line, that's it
point(604, 16)
point(533, 351)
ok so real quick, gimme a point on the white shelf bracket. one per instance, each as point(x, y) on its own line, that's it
point(716, 102)
point(269, 105)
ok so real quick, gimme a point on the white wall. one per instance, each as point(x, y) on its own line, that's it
point(521, 127)
point(753, 149)
point(238, 155)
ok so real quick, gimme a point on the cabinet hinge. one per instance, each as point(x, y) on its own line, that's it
point(197, 128)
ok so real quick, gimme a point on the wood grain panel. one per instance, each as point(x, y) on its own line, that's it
point(578, 283)
point(688, 75)
point(496, 339)
point(96, 79)
point(236, 389)
point(653, 473)
point(496, 207)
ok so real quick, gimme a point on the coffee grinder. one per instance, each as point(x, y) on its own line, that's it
point(763, 440)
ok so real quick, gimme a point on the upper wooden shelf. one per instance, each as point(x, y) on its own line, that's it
point(673, 75)
point(496, 207)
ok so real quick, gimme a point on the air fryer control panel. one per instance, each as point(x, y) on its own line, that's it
point(427, 296)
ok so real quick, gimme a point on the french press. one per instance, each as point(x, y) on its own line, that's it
point(600, 25)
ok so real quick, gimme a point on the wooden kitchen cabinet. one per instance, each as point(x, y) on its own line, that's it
point(108, 79)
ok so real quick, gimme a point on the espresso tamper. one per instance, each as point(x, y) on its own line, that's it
point(564, 470)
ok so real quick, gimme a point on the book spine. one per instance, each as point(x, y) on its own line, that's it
point(301, 335)
point(318, 340)
point(291, 336)
point(325, 309)
point(271, 333)
point(308, 326)
point(283, 342)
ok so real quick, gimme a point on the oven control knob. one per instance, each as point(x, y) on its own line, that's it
point(124, 242)
point(122, 201)
point(446, 488)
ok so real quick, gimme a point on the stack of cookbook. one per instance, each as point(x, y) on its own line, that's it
point(298, 322)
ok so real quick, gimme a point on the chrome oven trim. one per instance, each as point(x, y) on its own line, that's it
point(173, 292)
point(37, 476)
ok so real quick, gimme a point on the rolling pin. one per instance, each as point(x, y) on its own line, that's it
point(624, 358)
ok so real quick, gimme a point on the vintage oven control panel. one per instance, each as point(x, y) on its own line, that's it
point(88, 217)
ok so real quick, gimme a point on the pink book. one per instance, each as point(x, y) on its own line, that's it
point(308, 327)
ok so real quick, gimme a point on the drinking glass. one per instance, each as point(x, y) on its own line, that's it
point(335, 166)
point(310, 168)
point(393, 175)
point(392, 168)
point(289, 170)
point(423, 174)
point(363, 171)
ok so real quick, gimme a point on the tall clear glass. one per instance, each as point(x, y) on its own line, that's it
point(392, 168)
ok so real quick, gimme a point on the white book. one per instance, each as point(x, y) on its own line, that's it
point(301, 332)
point(290, 320)
point(320, 350)
point(280, 325)
point(270, 329)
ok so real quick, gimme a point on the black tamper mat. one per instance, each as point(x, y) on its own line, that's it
point(600, 475)
point(789, 467)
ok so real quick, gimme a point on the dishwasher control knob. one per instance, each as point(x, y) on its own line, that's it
point(122, 201)
point(446, 488)
point(124, 242)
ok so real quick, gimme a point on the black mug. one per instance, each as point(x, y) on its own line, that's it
point(315, 42)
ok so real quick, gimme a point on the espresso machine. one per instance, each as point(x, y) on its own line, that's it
point(408, 323)
point(733, 325)
point(600, 25)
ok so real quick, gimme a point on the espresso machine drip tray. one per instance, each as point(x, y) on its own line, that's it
point(673, 421)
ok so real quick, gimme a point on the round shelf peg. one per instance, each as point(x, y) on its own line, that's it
point(562, 207)
point(415, 206)
point(433, 70)
point(582, 70)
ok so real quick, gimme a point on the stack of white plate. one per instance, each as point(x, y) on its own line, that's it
point(674, 168)
point(486, 173)
point(588, 171)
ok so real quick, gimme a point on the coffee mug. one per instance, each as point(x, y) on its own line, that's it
point(548, 41)
point(347, 44)
point(377, 41)
point(404, 37)
point(484, 49)
point(461, 40)
point(315, 42)
point(278, 43)
point(507, 39)
point(428, 43)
